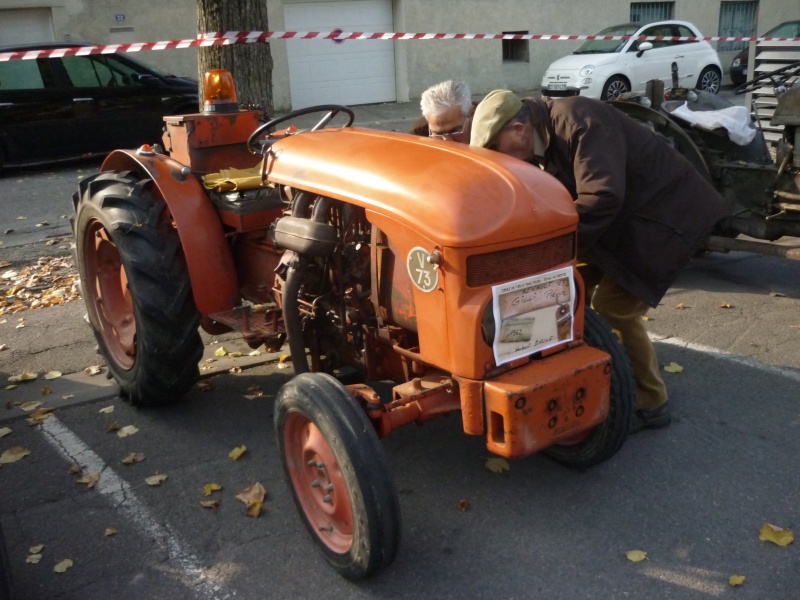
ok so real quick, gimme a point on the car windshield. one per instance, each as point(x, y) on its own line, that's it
point(607, 46)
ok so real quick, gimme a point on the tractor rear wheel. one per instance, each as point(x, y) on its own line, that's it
point(602, 442)
point(136, 287)
point(339, 475)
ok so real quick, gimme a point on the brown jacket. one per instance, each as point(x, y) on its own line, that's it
point(643, 208)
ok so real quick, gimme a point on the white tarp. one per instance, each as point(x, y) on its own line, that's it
point(734, 119)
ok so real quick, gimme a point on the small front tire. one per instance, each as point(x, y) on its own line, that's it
point(339, 475)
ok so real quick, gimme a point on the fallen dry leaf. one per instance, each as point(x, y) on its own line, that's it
point(62, 566)
point(221, 351)
point(113, 427)
point(777, 295)
point(726, 305)
point(133, 457)
point(4, 431)
point(46, 390)
point(13, 454)
point(681, 306)
point(497, 464)
point(463, 505)
point(75, 469)
point(209, 488)
point(93, 370)
point(212, 504)
point(776, 535)
point(52, 375)
point(38, 416)
point(645, 318)
point(636, 555)
point(673, 367)
point(156, 479)
point(736, 580)
point(254, 509)
point(29, 406)
point(50, 282)
point(107, 410)
point(37, 549)
point(127, 430)
point(33, 558)
point(254, 493)
point(24, 376)
point(89, 480)
point(237, 452)
point(235, 370)
point(109, 532)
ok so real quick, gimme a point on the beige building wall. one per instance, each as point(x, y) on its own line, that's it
point(418, 63)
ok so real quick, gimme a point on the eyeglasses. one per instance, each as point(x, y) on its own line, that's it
point(452, 133)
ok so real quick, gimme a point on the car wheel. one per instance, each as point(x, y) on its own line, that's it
point(709, 80)
point(614, 87)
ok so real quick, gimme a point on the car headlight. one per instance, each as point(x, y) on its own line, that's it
point(736, 62)
point(586, 71)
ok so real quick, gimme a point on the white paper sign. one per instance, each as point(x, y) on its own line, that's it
point(532, 314)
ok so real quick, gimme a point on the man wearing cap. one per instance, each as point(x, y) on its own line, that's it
point(643, 210)
point(446, 111)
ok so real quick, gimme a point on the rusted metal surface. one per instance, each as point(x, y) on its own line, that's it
point(420, 399)
point(207, 143)
point(208, 257)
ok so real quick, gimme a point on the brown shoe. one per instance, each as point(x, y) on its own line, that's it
point(651, 418)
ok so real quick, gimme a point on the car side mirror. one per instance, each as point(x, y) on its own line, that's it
point(147, 79)
point(644, 47)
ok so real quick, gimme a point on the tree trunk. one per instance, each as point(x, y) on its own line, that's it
point(250, 64)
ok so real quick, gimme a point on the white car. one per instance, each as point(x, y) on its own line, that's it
point(607, 68)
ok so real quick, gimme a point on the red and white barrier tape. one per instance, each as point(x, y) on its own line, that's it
point(226, 38)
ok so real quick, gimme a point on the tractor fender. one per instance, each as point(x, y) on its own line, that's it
point(211, 267)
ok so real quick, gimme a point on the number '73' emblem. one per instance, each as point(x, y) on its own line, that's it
point(423, 273)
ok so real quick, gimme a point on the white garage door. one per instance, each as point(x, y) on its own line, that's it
point(22, 25)
point(351, 72)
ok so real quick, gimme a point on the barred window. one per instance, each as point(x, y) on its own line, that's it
point(647, 12)
point(736, 19)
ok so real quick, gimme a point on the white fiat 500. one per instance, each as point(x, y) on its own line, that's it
point(607, 68)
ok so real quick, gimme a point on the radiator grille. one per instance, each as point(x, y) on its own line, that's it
point(515, 263)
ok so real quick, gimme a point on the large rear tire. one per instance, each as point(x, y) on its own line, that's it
point(606, 439)
point(339, 475)
point(136, 287)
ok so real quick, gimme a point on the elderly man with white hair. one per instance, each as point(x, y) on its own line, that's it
point(447, 108)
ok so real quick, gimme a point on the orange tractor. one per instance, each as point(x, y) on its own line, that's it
point(447, 270)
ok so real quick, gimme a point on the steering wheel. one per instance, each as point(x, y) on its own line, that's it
point(256, 145)
point(777, 77)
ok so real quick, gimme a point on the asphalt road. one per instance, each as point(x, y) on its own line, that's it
point(693, 496)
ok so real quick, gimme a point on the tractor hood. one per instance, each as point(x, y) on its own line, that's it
point(452, 193)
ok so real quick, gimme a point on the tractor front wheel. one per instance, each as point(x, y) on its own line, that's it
point(136, 287)
point(602, 442)
point(339, 475)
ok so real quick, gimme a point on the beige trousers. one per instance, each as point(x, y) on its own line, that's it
point(624, 312)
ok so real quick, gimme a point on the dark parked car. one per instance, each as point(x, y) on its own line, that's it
point(52, 108)
point(738, 72)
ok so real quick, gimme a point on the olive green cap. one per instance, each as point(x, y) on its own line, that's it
point(492, 114)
